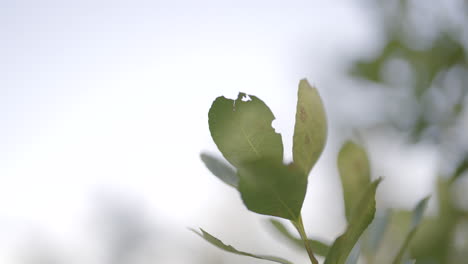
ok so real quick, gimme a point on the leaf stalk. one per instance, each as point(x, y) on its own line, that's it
point(299, 225)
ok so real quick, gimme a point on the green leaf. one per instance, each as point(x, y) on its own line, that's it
point(272, 188)
point(416, 220)
point(310, 130)
point(354, 169)
point(220, 169)
point(434, 237)
point(317, 246)
point(461, 169)
point(216, 242)
point(242, 130)
point(362, 216)
point(354, 255)
point(375, 233)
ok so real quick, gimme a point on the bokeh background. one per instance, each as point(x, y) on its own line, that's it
point(103, 115)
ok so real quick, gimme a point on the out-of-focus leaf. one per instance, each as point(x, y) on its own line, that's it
point(220, 169)
point(461, 169)
point(434, 237)
point(242, 130)
point(375, 233)
point(418, 213)
point(372, 69)
point(354, 255)
point(272, 188)
point(354, 169)
point(361, 218)
point(416, 219)
point(310, 130)
point(317, 246)
point(218, 243)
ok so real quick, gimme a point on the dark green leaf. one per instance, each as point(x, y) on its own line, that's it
point(242, 130)
point(310, 130)
point(417, 217)
point(272, 188)
point(216, 242)
point(354, 169)
point(220, 169)
point(362, 216)
point(317, 246)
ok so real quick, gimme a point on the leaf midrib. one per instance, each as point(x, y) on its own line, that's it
point(277, 196)
point(250, 142)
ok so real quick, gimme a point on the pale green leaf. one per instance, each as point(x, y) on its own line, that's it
point(362, 216)
point(375, 232)
point(242, 130)
point(218, 243)
point(418, 213)
point(434, 234)
point(354, 169)
point(272, 188)
point(317, 246)
point(310, 130)
point(354, 255)
point(220, 169)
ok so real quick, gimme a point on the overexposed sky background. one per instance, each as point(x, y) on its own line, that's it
point(113, 96)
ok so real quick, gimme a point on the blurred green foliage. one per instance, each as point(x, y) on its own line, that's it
point(435, 59)
point(436, 64)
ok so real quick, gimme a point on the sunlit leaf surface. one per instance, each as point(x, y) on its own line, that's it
point(310, 130)
point(354, 169)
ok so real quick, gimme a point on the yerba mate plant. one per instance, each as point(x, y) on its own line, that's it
point(243, 133)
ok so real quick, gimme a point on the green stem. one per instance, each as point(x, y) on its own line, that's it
point(300, 228)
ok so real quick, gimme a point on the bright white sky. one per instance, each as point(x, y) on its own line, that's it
point(114, 95)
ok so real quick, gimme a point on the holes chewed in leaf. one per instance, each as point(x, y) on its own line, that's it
point(246, 98)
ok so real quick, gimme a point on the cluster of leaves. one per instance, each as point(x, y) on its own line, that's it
point(243, 133)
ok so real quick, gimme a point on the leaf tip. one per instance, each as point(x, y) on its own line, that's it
point(304, 81)
point(196, 231)
point(377, 182)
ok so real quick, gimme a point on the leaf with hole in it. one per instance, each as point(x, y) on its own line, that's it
point(220, 169)
point(362, 216)
point(216, 242)
point(310, 129)
point(317, 246)
point(415, 221)
point(354, 169)
point(242, 130)
point(272, 188)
